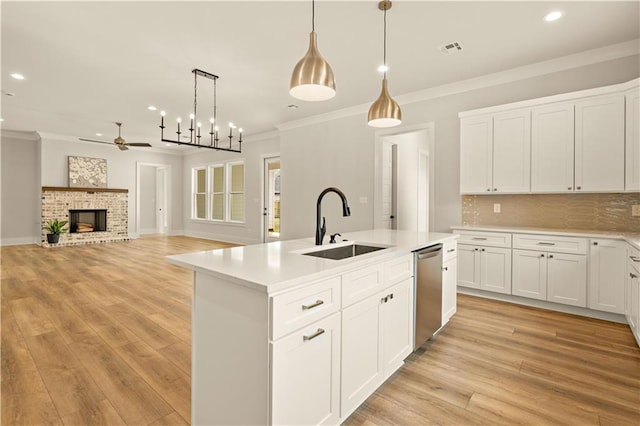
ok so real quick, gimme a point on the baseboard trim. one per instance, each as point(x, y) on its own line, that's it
point(20, 241)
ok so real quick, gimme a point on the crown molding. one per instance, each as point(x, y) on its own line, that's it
point(576, 60)
point(14, 134)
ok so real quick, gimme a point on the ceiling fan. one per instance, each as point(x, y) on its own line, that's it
point(119, 141)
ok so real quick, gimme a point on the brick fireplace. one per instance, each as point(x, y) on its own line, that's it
point(99, 215)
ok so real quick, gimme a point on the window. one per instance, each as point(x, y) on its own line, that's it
point(218, 192)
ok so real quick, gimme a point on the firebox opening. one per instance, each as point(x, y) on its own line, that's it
point(87, 221)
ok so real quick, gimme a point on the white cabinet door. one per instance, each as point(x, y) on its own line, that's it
point(607, 262)
point(397, 326)
point(529, 274)
point(468, 266)
point(600, 157)
point(633, 293)
point(306, 375)
point(495, 269)
point(632, 141)
point(361, 353)
point(512, 152)
point(552, 148)
point(476, 155)
point(449, 295)
point(567, 279)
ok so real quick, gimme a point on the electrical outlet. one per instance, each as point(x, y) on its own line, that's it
point(635, 210)
point(496, 207)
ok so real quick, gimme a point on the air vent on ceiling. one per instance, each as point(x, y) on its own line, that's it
point(453, 47)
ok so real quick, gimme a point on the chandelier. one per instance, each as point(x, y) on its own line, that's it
point(196, 137)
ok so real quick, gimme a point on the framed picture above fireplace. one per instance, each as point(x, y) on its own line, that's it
point(86, 172)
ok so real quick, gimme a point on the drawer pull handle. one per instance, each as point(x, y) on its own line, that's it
point(451, 250)
point(314, 335)
point(446, 268)
point(634, 258)
point(479, 238)
point(550, 256)
point(542, 243)
point(542, 255)
point(481, 249)
point(595, 243)
point(307, 307)
point(632, 275)
point(384, 299)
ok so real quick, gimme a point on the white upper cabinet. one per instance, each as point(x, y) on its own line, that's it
point(476, 155)
point(632, 168)
point(584, 141)
point(552, 148)
point(495, 153)
point(512, 152)
point(599, 144)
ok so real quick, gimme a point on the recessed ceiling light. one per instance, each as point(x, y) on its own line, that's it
point(167, 144)
point(383, 68)
point(553, 16)
point(98, 134)
point(17, 76)
point(151, 108)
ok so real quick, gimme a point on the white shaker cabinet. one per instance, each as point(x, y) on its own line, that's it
point(552, 148)
point(632, 141)
point(599, 144)
point(529, 274)
point(476, 155)
point(512, 152)
point(377, 337)
point(484, 261)
point(567, 279)
point(607, 263)
point(449, 282)
point(306, 375)
point(495, 153)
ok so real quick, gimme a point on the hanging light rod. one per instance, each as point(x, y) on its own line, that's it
point(195, 136)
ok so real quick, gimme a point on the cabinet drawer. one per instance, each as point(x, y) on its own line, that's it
point(397, 270)
point(550, 243)
point(449, 250)
point(634, 256)
point(490, 239)
point(362, 283)
point(295, 309)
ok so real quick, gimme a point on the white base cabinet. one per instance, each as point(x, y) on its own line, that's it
point(449, 285)
point(486, 268)
point(632, 291)
point(377, 337)
point(607, 264)
point(306, 375)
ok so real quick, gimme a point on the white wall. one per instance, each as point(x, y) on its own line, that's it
point(251, 231)
point(121, 171)
point(340, 152)
point(20, 188)
point(147, 199)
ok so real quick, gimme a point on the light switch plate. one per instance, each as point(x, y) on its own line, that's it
point(496, 207)
point(635, 210)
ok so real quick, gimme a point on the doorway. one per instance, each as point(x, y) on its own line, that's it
point(152, 198)
point(271, 199)
point(404, 179)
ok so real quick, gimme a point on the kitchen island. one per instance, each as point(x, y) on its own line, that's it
point(280, 337)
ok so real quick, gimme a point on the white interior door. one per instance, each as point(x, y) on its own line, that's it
point(271, 199)
point(388, 195)
point(162, 221)
point(153, 198)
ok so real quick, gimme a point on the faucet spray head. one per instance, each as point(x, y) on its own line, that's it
point(346, 211)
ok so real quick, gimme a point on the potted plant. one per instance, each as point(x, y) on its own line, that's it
point(54, 228)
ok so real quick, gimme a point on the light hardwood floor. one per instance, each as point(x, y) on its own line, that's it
point(101, 334)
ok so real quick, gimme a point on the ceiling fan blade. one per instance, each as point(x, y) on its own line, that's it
point(96, 141)
point(138, 144)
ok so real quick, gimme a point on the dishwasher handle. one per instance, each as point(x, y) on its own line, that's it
point(432, 251)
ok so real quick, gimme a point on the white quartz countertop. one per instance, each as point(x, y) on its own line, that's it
point(632, 238)
point(279, 265)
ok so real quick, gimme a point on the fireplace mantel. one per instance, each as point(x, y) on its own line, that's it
point(74, 189)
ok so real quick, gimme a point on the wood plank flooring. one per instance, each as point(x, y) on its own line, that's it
point(101, 334)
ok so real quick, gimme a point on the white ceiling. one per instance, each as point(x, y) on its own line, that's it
point(88, 64)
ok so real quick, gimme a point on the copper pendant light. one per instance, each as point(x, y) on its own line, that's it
point(312, 78)
point(385, 112)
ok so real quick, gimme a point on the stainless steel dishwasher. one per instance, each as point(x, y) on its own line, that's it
point(428, 291)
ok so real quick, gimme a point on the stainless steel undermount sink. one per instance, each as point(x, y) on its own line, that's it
point(344, 252)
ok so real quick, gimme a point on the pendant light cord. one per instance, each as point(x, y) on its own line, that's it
point(313, 16)
point(384, 44)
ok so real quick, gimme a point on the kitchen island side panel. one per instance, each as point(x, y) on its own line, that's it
point(230, 359)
